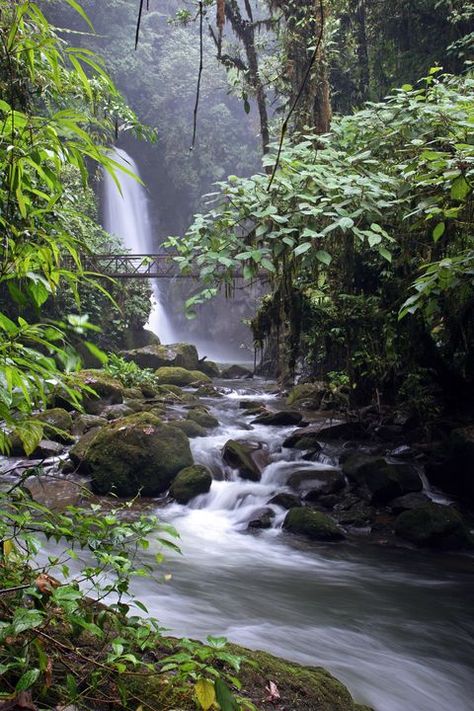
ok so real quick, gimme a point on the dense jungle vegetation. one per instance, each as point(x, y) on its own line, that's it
point(361, 116)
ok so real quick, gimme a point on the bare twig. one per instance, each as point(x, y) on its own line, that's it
point(198, 89)
point(139, 19)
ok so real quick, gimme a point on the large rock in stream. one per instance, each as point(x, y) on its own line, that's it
point(453, 467)
point(434, 526)
point(191, 482)
point(380, 480)
point(135, 454)
point(247, 457)
point(181, 377)
point(312, 524)
point(157, 356)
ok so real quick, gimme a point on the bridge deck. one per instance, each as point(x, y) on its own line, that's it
point(134, 266)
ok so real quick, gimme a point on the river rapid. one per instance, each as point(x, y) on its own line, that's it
point(393, 624)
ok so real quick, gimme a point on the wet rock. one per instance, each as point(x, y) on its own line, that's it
point(180, 376)
point(78, 452)
point(190, 428)
point(452, 469)
point(244, 456)
point(402, 452)
point(344, 431)
point(236, 372)
point(135, 454)
point(262, 518)
point(208, 391)
point(203, 418)
point(47, 448)
point(359, 515)
point(284, 417)
point(108, 390)
point(312, 524)
point(329, 501)
point(307, 395)
point(316, 482)
point(113, 412)
point(57, 424)
point(139, 338)
point(408, 502)
point(382, 481)
point(286, 501)
point(191, 482)
point(132, 393)
point(182, 355)
point(135, 405)
point(251, 405)
point(209, 368)
point(435, 526)
point(306, 438)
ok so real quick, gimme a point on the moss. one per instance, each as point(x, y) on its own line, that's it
point(156, 356)
point(106, 390)
point(435, 526)
point(238, 455)
point(209, 368)
point(136, 454)
point(191, 482)
point(57, 424)
point(312, 524)
point(180, 376)
point(190, 428)
point(202, 418)
point(307, 395)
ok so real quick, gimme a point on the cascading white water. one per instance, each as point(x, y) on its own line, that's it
point(126, 215)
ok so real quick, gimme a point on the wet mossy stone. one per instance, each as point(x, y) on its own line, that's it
point(180, 376)
point(209, 368)
point(343, 431)
point(136, 454)
point(190, 428)
point(208, 391)
point(286, 501)
point(262, 518)
point(107, 390)
point(203, 418)
point(240, 456)
point(307, 395)
point(382, 480)
point(57, 424)
point(183, 355)
point(435, 526)
point(284, 417)
point(236, 372)
point(83, 423)
point(113, 412)
point(190, 482)
point(317, 481)
point(307, 438)
point(312, 524)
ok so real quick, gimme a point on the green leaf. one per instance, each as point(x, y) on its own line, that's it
point(346, 223)
point(205, 693)
point(323, 257)
point(224, 696)
point(302, 248)
point(75, 5)
point(383, 251)
point(439, 231)
point(460, 188)
point(27, 680)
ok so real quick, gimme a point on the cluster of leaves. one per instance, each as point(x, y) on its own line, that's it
point(357, 212)
point(129, 373)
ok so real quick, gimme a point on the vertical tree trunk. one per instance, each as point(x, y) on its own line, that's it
point(359, 12)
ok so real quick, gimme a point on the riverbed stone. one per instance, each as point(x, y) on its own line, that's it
point(305, 438)
point(57, 424)
point(180, 376)
point(84, 422)
point(113, 412)
point(243, 456)
point(208, 390)
point(408, 502)
point(183, 355)
point(284, 417)
point(236, 372)
point(359, 515)
point(190, 428)
point(312, 524)
point(316, 482)
point(209, 368)
point(262, 518)
point(434, 526)
point(190, 482)
point(135, 454)
point(203, 418)
point(307, 395)
point(343, 431)
point(286, 501)
point(107, 390)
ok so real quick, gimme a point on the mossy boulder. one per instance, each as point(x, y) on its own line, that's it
point(190, 428)
point(236, 372)
point(180, 376)
point(113, 412)
point(107, 390)
point(203, 418)
point(83, 423)
point(435, 526)
point(208, 391)
point(209, 368)
point(381, 480)
point(191, 482)
point(57, 424)
point(182, 355)
point(139, 338)
point(305, 438)
point(284, 417)
point(312, 524)
point(135, 454)
point(243, 457)
point(343, 431)
point(286, 501)
point(307, 395)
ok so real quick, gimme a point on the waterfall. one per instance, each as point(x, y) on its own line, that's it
point(126, 216)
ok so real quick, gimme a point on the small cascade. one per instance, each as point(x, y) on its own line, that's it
point(126, 215)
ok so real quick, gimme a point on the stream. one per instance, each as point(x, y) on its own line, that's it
point(393, 624)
